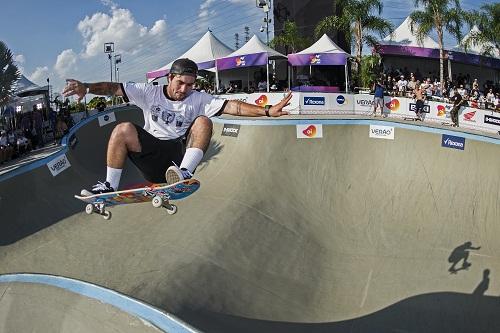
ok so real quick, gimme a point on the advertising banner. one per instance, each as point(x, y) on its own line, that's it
point(106, 119)
point(58, 165)
point(363, 104)
point(317, 59)
point(454, 142)
point(342, 102)
point(309, 131)
point(256, 59)
point(382, 132)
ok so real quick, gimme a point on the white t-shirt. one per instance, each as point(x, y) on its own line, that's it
point(167, 119)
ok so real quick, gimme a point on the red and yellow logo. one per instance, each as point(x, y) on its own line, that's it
point(261, 101)
point(441, 110)
point(393, 105)
point(310, 131)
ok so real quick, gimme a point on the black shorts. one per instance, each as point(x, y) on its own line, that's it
point(419, 106)
point(157, 155)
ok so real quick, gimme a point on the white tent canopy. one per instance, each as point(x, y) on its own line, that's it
point(253, 53)
point(203, 53)
point(255, 45)
point(323, 52)
point(476, 49)
point(403, 36)
point(324, 45)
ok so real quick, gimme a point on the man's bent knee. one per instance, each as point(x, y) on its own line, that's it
point(203, 122)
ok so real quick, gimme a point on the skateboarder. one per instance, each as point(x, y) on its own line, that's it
point(457, 103)
point(378, 98)
point(177, 128)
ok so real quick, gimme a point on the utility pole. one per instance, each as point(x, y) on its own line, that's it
point(247, 34)
point(236, 41)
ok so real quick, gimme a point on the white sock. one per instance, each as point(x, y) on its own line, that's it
point(191, 159)
point(113, 177)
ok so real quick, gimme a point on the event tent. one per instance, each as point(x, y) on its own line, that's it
point(203, 53)
point(322, 53)
point(403, 42)
point(253, 53)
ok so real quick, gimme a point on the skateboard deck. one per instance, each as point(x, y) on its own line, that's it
point(160, 195)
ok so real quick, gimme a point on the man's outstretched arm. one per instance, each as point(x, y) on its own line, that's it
point(80, 89)
point(239, 108)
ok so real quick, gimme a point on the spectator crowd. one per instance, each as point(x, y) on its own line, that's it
point(403, 83)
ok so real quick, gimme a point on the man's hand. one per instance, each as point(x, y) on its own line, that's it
point(74, 87)
point(277, 110)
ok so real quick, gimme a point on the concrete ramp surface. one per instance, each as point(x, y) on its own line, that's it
point(344, 233)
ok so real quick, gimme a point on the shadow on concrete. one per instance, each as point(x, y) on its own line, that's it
point(431, 313)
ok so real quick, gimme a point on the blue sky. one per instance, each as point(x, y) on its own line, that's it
point(60, 39)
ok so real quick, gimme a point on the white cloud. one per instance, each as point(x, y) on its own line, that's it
point(40, 75)
point(65, 63)
point(120, 28)
point(20, 60)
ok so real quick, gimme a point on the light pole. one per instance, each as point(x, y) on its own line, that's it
point(265, 5)
point(109, 48)
point(118, 60)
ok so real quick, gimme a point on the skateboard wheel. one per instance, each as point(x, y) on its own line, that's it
point(172, 210)
point(157, 201)
point(106, 215)
point(89, 209)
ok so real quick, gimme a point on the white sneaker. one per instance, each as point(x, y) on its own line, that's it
point(100, 187)
point(174, 174)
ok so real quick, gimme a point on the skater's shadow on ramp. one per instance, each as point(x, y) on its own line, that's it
point(461, 253)
point(214, 149)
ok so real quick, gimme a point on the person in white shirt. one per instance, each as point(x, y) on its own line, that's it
point(177, 127)
point(402, 83)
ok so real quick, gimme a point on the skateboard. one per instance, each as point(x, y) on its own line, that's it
point(160, 195)
point(412, 118)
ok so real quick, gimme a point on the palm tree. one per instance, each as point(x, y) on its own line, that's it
point(9, 74)
point(487, 34)
point(359, 19)
point(441, 16)
point(290, 38)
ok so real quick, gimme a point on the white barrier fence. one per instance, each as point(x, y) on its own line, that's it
point(361, 104)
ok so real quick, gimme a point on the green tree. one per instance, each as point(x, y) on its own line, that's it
point(9, 74)
point(290, 39)
point(359, 20)
point(487, 20)
point(370, 69)
point(441, 16)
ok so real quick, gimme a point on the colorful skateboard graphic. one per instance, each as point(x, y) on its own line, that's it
point(160, 195)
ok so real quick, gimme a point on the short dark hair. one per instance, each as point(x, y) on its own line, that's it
point(184, 66)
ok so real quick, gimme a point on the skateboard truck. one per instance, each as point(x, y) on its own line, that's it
point(99, 208)
point(163, 201)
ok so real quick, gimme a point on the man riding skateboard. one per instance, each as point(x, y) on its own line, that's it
point(177, 127)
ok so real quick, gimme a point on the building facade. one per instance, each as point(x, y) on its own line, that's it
point(306, 14)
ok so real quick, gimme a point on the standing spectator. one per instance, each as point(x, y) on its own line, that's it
point(53, 122)
point(412, 84)
point(262, 86)
point(457, 100)
point(37, 129)
point(378, 100)
point(490, 100)
point(419, 97)
point(462, 91)
point(101, 105)
point(402, 83)
point(6, 151)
